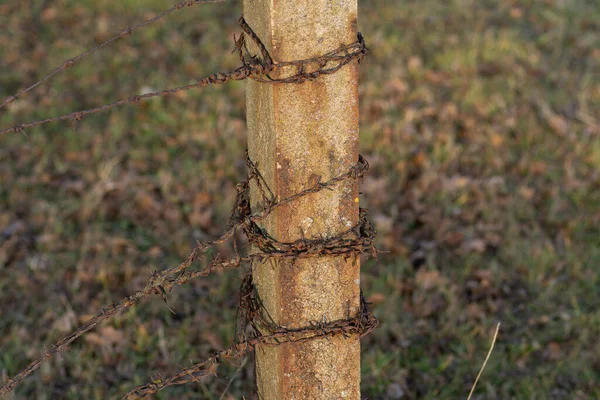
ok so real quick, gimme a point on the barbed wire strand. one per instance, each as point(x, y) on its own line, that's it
point(252, 67)
point(158, 283)
point(354, 241)
point(241, 217)
point(360, 325)
point(124, 32)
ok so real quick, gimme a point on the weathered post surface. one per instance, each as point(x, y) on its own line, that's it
point(297, 134)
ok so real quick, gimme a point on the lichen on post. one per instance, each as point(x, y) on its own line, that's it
point(299, 134)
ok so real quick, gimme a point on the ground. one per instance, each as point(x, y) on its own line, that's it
point(481, 123)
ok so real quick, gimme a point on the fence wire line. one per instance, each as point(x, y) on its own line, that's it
point(264, 70)
point(124, 32)
point(359, 325)
point(352, 242)
point(356, 240)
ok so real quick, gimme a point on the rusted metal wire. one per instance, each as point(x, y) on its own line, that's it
point(253, 67)
point(159, 283)
point(352, 242)
point(124, 32)
point(356, 240)
point(358, 326)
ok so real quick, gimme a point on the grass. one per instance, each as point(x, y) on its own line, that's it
point(480, 121)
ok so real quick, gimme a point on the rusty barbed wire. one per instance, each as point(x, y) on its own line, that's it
point(360, 325)
point(124, 32)
point(253, 67)
point(352, 242)
point(355, 240)
point(159, 283)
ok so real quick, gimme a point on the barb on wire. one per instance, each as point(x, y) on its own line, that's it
point(303, 70)
point(259, 69)
point(124, 32)
point(353, 241)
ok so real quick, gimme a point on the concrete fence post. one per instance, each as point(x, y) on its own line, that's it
point(298, 134)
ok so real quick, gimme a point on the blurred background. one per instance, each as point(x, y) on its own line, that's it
point(480, 119)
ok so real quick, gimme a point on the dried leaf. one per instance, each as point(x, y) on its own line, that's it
point(429, 279)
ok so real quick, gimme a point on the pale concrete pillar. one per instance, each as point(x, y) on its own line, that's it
point(298, 133)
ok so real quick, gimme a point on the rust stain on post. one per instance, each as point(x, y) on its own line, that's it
point(297, 134)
